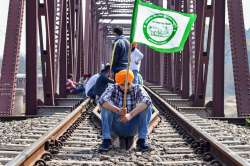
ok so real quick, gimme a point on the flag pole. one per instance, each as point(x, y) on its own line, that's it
point(124, 111)
point(112, 58)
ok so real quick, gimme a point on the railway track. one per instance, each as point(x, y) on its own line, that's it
point(19, 133)
point(217, 137)
point(182, 137)
point(81, 147)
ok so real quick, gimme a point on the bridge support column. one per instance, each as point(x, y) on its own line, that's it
point(239, 56)
point(185, 62)
point(63, 53)
point(45, 48)
point(31, 56)
point(11, 57)
point(219, 54)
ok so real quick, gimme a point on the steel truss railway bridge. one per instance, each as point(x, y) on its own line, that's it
point(75, 36)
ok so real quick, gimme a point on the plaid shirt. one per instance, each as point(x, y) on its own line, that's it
point(114, 95)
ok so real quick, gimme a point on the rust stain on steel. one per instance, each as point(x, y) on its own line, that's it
point(33, 153)
point(11, 57)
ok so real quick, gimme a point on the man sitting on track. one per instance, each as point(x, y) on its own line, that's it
point(73, 87)
point(136, 119)
point(103, 81)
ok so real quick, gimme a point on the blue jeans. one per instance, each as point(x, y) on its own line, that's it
point(91, 93)
point(136, 77)
point(136, 80)
point(78, 90)
point(139, 124)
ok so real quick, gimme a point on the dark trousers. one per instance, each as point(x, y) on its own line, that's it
point(91, 93)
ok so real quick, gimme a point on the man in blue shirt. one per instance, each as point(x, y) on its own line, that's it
point(121, 49)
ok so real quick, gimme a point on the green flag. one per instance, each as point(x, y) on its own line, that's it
point(161, 29)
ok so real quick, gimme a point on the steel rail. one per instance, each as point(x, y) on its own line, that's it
point(33, 153)
point(154, 121)
point(223, 153)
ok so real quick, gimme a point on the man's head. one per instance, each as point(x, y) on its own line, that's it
point(106, 70)
point(134, 45)
point(70, 76)
point(118, 31)
point(86, 75)
point(120, 78)
point(107, 67)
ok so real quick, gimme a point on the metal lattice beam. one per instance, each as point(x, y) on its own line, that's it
point(11, 57)
point(239, 56)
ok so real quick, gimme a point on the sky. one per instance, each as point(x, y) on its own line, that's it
point(4, 5)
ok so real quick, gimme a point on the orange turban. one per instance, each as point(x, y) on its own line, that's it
point(121, 76)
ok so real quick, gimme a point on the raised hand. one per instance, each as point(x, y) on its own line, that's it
point(126, 118)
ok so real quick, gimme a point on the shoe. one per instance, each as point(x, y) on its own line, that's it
point(142, 145)
point(129, 142)
point(105, 146)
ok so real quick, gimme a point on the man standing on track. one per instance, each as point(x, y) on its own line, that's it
point(121, 50)
point(136, 119)
point(136, 57)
